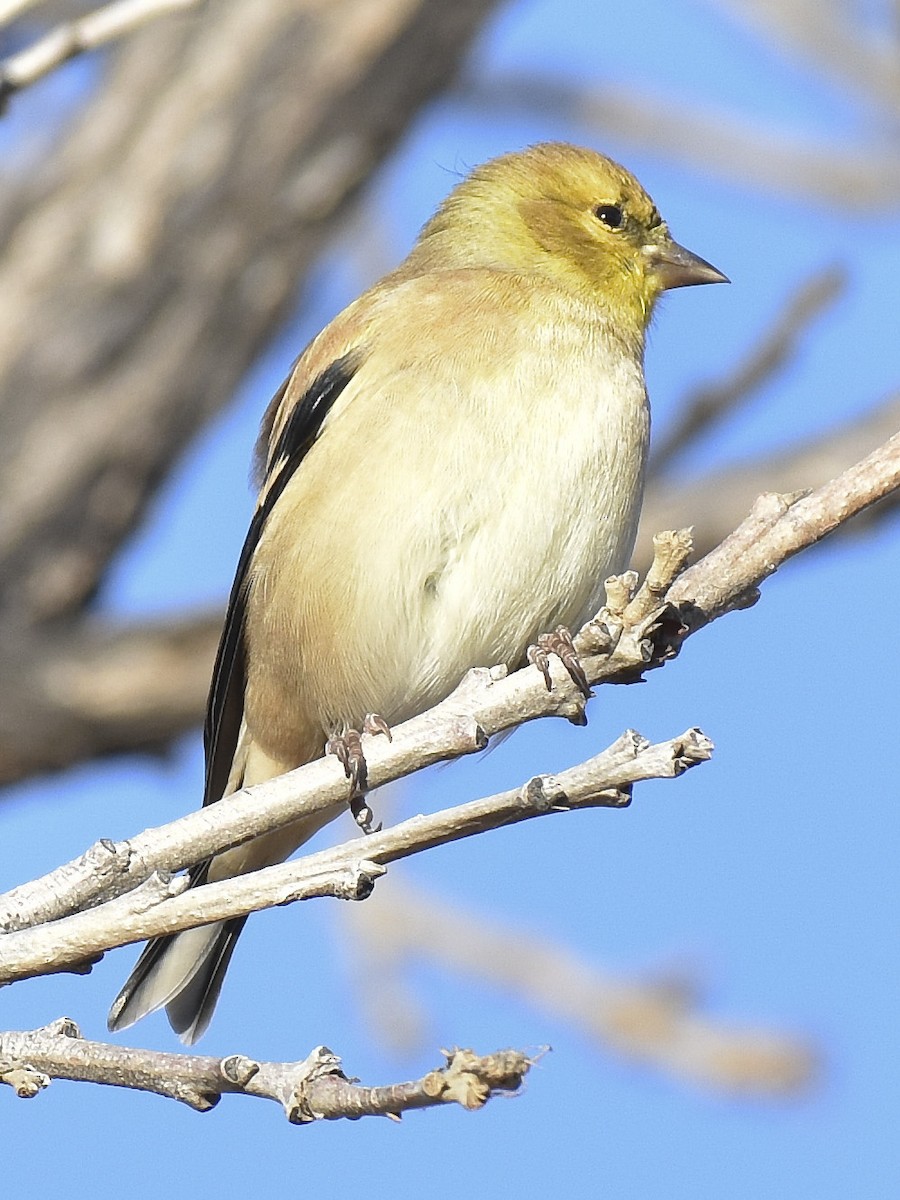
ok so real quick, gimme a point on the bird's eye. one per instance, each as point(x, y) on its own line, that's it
point(610, 214)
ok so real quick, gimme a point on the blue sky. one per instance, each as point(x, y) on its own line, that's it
point(769, 869)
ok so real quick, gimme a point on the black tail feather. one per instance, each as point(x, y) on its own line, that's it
point(190, 1012)
point(182, 972)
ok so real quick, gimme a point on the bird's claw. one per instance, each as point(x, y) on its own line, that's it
point(374, 723)
point(560, 643)
point(348, 750)
point(363, 815)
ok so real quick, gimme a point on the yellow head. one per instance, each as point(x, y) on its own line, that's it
point(568, 212)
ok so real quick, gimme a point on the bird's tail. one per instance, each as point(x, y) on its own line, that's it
point(184, 972)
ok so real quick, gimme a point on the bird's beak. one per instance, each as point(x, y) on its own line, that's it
point(676, 267)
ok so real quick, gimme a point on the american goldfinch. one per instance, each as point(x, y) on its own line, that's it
point(452, 467)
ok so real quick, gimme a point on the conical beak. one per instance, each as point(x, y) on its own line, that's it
point(676, 267)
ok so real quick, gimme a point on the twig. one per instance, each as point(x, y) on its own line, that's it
point(778, 527)
point(312, 1090)
point(709, 404)
point(347, 871)
point(87, 33)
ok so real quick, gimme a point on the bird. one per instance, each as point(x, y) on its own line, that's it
point(451, 469)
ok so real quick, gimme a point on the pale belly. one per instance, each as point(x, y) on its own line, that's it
point(432, 554)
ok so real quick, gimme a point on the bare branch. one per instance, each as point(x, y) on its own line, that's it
point(626, 638)
point(487, 701)
point(312, 1090)
point(656, 1022)
point(347, 871)
point(779, 527)
point(89, 32)
point(778, 345)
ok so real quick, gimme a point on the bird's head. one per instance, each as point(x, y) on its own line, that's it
point(571, 213)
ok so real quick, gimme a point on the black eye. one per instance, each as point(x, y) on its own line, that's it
point(610, 214)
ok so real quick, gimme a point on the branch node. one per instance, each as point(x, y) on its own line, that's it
point(25, 1080)
point(320, 1062)
point(541, 794)
point(61, 1027)
point(671, 551)
point(109, 858)
point(621, 797)
point(745, 600)
point(472, 735)
point(598, 637)
point(633, 742)
point(693, 748)
point(620, 590)
point(238, 1069)
point(469, 1079)
point(357, 882)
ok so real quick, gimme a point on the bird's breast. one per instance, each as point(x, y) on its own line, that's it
point(449, 513)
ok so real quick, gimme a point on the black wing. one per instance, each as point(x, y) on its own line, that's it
point(225, 705)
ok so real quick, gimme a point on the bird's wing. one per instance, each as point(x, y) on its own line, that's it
point(300, 422)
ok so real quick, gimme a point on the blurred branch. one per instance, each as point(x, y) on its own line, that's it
point(96, 689)
point(653, 1022)
point(778, 345)
point(715, 503)
point(823, 34)
point(312, 1090)
point(723, 142)
point(72, 38)
point(11, 10)
point(149, 260)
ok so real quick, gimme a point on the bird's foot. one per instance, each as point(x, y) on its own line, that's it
point(347, 749)
point(560, 643)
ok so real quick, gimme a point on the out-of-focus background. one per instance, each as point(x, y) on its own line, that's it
point(716, 966)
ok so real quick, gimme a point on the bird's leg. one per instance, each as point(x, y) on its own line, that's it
point(560, 643)
point(347, 749)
